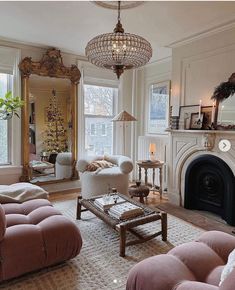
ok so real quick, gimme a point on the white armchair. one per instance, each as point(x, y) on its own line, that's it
point(97, 182)
point(63, 165)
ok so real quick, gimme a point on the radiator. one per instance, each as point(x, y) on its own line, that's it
point(161, 154)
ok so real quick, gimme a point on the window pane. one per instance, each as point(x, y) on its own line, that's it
point(98, 100)
point(5, 85)
point(99, 111)
point(96, 142)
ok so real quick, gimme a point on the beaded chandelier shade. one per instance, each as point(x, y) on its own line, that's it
point(118, 51)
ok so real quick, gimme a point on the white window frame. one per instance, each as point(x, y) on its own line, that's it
point(9, 60)
point(108, 84)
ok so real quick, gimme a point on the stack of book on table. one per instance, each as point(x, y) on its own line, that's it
point(125, 210)
point(106, 202)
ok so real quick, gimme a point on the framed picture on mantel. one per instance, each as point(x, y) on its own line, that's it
point(185, 116)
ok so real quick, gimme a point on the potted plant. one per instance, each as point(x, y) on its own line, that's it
point(9, 106)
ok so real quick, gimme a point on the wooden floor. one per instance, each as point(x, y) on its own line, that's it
point(200, 219)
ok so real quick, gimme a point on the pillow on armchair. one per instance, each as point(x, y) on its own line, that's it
point(93, 166)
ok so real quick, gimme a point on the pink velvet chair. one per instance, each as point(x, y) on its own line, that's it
point(34, 235)
point(191, 266)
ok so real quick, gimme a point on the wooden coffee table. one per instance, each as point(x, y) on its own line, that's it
point(122, 226)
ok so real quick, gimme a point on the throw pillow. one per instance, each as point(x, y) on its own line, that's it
point(228, 267)
point(99, 164)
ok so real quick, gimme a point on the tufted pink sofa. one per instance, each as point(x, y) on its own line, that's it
point(34, 235)
point(191, 266)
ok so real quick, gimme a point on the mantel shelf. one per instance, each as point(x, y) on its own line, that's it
point(202, 131)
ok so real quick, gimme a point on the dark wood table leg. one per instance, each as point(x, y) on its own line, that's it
point(164, 225)
point(160, 181)
point(139, 173)
point(79, 208)
point(146, 176)
point(122, 233)
point(142, 199)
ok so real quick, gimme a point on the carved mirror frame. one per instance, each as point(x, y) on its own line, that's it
point(51, 65)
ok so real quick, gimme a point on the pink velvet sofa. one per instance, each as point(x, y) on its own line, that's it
point(34, 235)
point(191, 266)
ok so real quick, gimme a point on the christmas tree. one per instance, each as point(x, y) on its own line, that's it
point(55, 135)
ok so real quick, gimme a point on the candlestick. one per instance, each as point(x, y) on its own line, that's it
point(200, 106)
point(220, 119)
point(213, 113)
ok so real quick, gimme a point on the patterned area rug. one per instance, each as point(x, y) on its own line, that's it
point(99, 266)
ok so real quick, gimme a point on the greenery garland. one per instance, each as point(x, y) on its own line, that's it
point(224, 90)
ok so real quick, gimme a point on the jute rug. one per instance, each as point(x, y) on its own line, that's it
point(98, 266)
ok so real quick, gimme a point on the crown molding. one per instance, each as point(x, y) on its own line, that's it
point(205, 33)
point(158, 61)
point(18, 44)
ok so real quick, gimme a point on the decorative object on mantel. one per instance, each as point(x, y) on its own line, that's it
point(224, 90)
point(174, 122)
point(185, 116)
point(208, 118)
point(118, 51)
point(9, 106)
point(208, 141)
point(196, 121)
point(225, 105)
point(124, 117)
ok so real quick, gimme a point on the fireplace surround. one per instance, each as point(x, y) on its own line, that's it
point(196, 152)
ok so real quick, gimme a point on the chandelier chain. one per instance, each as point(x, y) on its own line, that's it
point(119, 10)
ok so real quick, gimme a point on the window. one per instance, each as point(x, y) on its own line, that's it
point(92, 130)
point(103, 129)
point(99, 110)
point(5, 85)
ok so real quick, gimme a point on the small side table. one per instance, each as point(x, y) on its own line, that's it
point(146, 165)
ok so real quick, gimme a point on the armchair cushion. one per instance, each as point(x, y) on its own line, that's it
point(191, 266)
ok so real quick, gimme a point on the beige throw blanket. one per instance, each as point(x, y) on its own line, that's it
point(20, 192)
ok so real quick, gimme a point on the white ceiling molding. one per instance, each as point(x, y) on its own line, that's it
point(209, 32)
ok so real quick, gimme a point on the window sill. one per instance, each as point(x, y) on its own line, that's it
point(10, 169)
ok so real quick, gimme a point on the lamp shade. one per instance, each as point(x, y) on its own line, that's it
point(152, 147)
point(124, 117)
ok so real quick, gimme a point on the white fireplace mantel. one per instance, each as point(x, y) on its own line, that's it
point(186, 146)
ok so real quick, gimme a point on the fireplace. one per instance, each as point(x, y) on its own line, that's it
point(210, 186)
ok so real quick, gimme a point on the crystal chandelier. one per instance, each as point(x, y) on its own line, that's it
point(118, 51)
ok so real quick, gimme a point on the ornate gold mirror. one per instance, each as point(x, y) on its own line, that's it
point(49, 118)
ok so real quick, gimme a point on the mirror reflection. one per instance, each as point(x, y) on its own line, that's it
point(226, 112)
point(49, 128)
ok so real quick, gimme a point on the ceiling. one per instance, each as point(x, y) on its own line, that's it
point(70, 25)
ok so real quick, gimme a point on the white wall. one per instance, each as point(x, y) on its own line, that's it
point(156, 72)
point(201, 65)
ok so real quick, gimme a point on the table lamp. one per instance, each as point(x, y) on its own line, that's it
point(152, 151)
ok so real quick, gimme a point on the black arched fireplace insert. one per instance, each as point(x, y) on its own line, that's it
point(210, 186)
